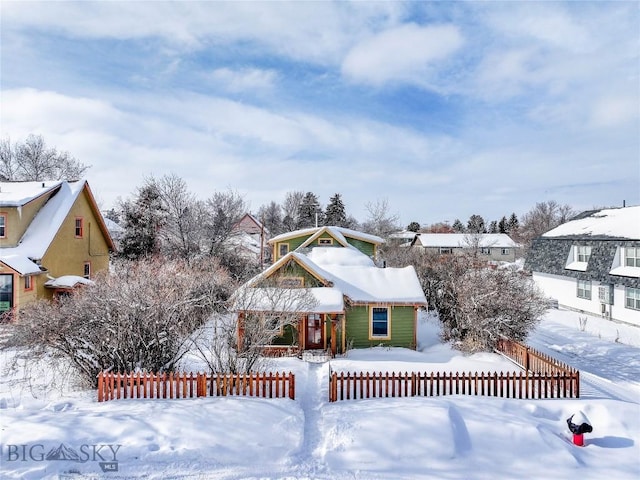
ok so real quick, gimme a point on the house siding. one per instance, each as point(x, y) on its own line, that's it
point(293, 244)
point(547, 259)
point(402, 327)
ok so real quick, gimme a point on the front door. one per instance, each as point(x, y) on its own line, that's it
point(314, 332)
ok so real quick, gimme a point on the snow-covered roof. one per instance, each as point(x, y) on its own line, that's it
point(355, 275)
point(610, 222)
point(322, 300)
point(17, 194)
point(67, 281)
point(46, 223)
point(404, 235)
point(454, 240)
point(20, 264)
point(337, 232)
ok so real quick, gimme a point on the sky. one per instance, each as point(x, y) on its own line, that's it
point(442, 109)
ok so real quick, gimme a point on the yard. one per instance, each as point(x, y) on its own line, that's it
point(309, 438)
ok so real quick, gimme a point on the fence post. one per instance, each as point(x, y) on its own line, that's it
point(292, 386)
point(100, 388)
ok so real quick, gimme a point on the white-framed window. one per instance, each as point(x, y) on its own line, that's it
point(485, 250)
point(446, 250)
point(632, 298)
point(291, 282)
point(584, 289)
point(283, 249)
point(3, 225)
point(632, 256)
point(380, 325)
point(504, 251)
point(87, 270)
point(325, 241)
point(583, 253)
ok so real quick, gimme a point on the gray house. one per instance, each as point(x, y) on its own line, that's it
point(497, 247)
point(591, 264)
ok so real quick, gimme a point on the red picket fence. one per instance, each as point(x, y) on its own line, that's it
point(532, 360)
point(112, 386)
point(352, 386)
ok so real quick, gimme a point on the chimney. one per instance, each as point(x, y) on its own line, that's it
point(42, 184)
point(624, 203)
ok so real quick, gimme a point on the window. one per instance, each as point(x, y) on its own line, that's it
point(380, 323)
point(504, 251)
point(485, 250)
point(79, 227)
point(632, 257)
point(582, 254)
point(584, 289)
point(325, 241)
point(28, 283)
point(87, 270)
point(446, 250)
point(291, 282)
point(3, 225)
point(632, 298)
point(283, 249)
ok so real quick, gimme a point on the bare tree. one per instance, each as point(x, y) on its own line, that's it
point(32, 160)
point(140, 317)
point(380, 220)
point(223, 212)
point(291, 210)
point(542, 218)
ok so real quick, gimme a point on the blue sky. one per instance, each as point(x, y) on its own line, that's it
point(444, 109)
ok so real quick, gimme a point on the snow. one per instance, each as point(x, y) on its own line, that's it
point(20, 264)
point(327, 300)
point(611, 222)
point(67, 281)
point(16, 194)
point(453, 437)
point(339, 233)
point(625, 271)
point(454, 240)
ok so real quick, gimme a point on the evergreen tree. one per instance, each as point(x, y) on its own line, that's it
point(310, 211)
point(503, 226)
point(413, 227)
point(458, 226)
point(142, 220)
point(335, 212)
point(476, 224)
point(493, 227)
point(513, 224)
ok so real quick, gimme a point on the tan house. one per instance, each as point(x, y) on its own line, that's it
point(52, 238)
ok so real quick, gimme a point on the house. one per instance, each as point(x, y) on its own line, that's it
point(498, 247)
point(591, 264)
point(52, 239)
point(250, 239)
point(355, 304)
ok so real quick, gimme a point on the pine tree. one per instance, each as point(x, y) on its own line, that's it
point(142, 219)
point(413, 227)
point(513, 224)
point(493, 227)
point(335, 214)
point(476, 224)
point(458, 226)
point(503, 225)
point(310, 211)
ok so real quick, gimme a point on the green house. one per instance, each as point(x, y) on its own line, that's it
point(355, 303)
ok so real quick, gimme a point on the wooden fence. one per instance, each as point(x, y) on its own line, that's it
point(112, 386)
point(532, 360)
point(352, 386)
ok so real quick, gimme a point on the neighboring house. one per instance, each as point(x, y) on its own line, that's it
point(52, 238)
point(252, 238)
point(497, 247)
point(115, 230)
point(592, 263)
point(355, 303)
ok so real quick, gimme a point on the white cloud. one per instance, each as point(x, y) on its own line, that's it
point(405, 53)
point(244, 80)
point(615, 110)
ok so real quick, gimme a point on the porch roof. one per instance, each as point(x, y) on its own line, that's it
point(308, 300)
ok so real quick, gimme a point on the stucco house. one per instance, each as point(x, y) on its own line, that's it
point(498, 247)
point(356, 303)
point(592, 263)
point(52, 239)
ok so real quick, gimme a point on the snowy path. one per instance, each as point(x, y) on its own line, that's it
point(606, 370)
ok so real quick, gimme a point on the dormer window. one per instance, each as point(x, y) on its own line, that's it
point(325, 241)
point(79, 227)
point(632, 256)
point(578, 258)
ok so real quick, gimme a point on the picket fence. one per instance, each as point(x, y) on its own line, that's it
point(543, 377)
point(113, 386)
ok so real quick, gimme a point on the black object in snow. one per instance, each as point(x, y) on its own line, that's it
point(578, 429)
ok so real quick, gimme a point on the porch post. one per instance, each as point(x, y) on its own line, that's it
point(334, 320)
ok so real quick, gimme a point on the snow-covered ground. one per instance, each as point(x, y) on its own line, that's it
point(453, 437)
